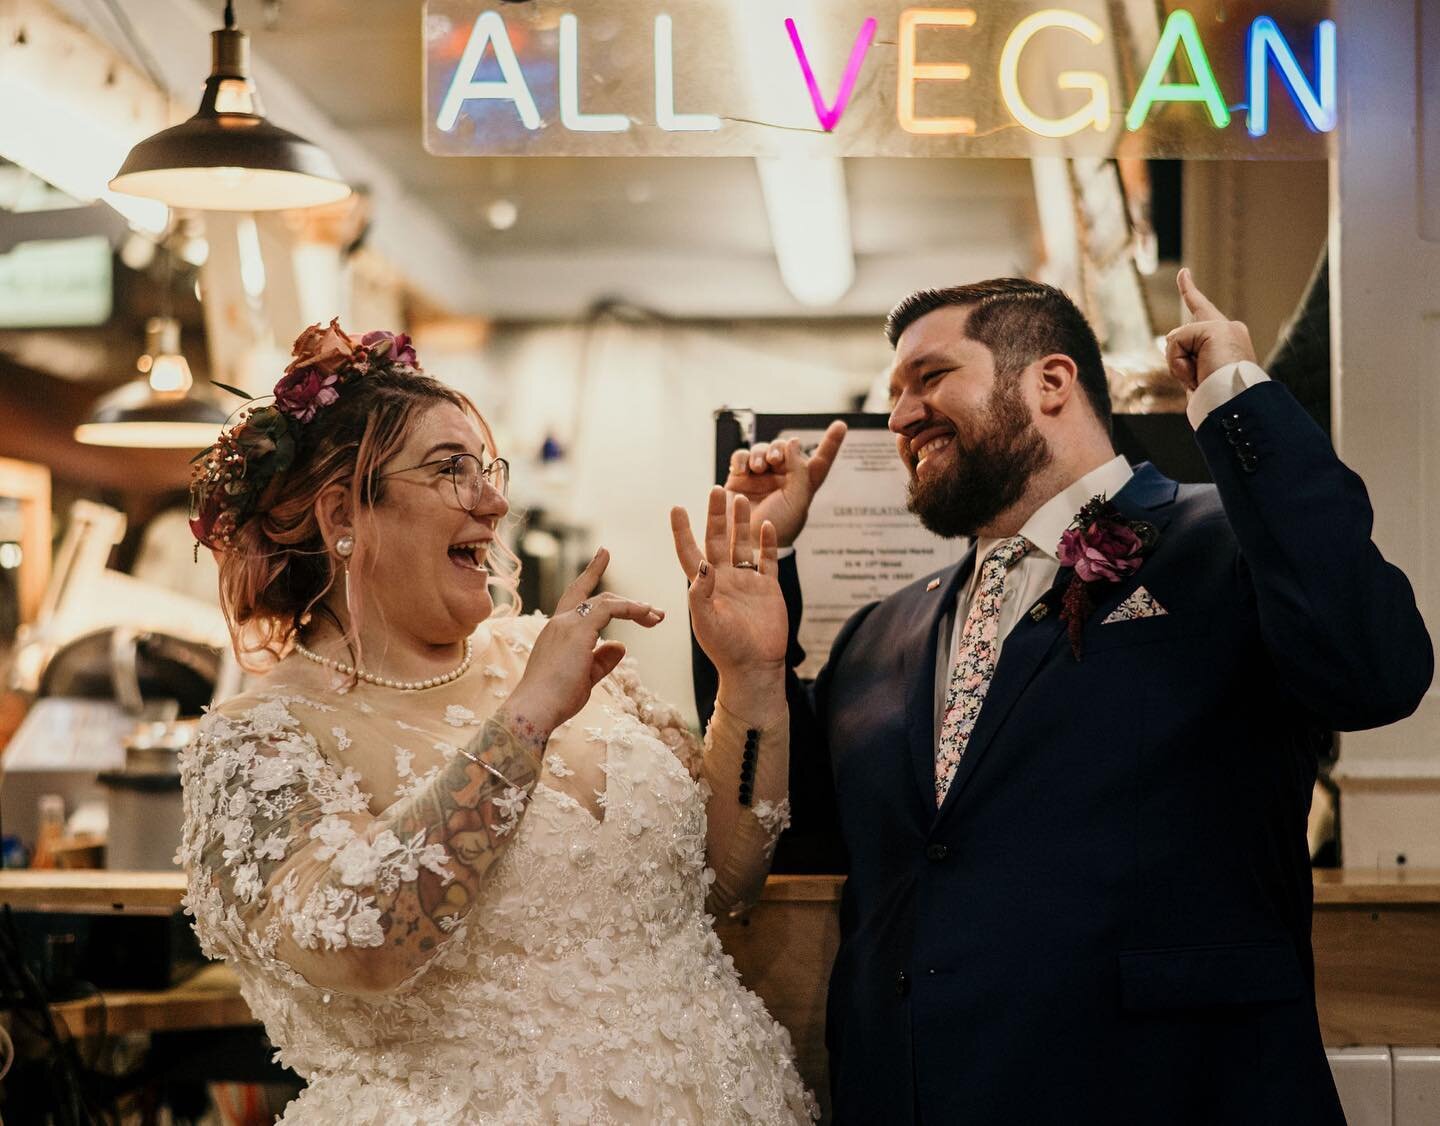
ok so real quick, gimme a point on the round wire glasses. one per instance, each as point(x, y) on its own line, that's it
point(469, 476)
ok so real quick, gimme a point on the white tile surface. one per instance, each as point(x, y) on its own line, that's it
point(1417, 1086)
point(1363, 1078)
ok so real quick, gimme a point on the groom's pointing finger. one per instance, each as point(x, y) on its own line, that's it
point(1200, 306)
point(824, 456)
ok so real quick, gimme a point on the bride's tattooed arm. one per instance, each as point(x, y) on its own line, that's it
point(351, 901)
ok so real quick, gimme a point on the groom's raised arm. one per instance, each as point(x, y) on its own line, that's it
point(1340, 622)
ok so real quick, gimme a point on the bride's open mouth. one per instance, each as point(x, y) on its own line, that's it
point(470, 556)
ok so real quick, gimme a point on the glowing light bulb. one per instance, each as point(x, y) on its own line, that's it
point(170, 374)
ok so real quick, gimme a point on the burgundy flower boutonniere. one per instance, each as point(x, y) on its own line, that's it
point(1102, 546)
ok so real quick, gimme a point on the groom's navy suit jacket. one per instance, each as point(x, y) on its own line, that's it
point(1108, 921)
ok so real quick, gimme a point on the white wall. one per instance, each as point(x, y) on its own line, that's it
point(633, 405)
point(1385, 271)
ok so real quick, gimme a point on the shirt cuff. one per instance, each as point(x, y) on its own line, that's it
point(1222, 386)
point(784, 553)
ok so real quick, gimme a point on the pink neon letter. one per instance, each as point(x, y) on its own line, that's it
point(830, 115)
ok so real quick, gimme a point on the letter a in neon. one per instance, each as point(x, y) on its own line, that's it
point(1180, 30)
point(830, 115)
point(489, 31)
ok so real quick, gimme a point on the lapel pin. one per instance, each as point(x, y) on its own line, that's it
point(933, 584)
point(1038, 611)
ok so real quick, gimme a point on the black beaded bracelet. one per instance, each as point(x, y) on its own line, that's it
point(747, 765)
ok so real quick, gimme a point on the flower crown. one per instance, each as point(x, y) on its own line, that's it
point(241, 473)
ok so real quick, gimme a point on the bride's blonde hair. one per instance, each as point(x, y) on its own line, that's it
point(275, 570)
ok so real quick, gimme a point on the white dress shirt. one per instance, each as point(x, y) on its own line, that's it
point(1030, 578)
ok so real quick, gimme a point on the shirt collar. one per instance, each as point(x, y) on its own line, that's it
point(1052, 518)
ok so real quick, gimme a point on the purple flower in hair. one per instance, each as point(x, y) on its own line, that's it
point(302, 392)
point(389, 347)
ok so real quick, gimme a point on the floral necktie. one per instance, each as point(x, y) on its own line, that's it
point(974, 662)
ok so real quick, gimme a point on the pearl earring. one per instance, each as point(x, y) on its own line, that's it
point(344, 546)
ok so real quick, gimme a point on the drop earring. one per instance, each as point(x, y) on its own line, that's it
point(345, 547)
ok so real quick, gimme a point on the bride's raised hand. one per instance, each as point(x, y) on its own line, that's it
point(736, 608)
point(569, 658)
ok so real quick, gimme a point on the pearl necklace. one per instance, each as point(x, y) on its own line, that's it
point(384, 682)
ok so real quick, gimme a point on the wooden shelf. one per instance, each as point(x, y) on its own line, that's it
point(210, 999)
point(1336, 887)
point(1374, 934)
point(128, 891)
point(92, 890)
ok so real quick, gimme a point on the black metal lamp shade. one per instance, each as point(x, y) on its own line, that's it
point(137, 416)
point(228, 157)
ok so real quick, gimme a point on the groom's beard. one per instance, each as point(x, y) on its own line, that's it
point(990, 467)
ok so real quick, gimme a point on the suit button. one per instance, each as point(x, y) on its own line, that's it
point(937, 852)
point(902, 984)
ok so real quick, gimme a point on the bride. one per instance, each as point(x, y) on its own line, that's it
point(461, 861)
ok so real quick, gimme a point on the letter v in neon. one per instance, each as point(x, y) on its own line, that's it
point(830, 115)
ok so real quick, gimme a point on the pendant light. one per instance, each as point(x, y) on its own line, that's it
point(157, 411)
point(228, 157)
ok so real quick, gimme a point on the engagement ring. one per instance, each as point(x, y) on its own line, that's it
point(583, 609)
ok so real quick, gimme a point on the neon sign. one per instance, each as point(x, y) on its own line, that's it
point(750, 77)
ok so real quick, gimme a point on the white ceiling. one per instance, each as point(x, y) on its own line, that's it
point(683, 237)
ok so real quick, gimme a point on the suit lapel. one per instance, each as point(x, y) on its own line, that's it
point(1148, 496)
point(919, 665)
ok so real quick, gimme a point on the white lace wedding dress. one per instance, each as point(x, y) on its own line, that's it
point(584, 985)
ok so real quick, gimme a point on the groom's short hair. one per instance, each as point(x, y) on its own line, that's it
point(1019, 321)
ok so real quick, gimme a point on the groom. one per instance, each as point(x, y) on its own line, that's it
point(1072, 772)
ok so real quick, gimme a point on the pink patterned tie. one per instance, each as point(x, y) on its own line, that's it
point(974, 662)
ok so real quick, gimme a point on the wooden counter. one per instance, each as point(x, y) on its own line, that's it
point(1376, 937)
point(1377, 957)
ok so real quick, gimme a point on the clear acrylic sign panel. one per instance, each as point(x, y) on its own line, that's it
point(1203, 79)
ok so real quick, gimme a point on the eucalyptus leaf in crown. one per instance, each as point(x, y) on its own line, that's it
point(241, 473)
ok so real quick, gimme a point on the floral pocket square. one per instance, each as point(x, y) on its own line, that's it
point(1140, 604)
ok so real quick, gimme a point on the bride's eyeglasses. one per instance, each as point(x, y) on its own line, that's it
point(469, 476)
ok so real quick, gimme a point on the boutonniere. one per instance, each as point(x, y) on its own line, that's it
point(1101, 546)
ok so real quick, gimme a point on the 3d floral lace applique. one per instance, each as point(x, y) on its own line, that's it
point(774, 817)
point(510, 804)
point(342, 739)
point(557, 766)
point(457, 716)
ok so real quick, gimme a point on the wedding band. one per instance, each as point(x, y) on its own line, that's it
point(746, 565)
point(583, 609)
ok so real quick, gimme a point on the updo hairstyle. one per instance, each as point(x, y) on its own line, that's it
point(277, 570)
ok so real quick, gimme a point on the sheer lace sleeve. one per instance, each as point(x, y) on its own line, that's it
point(740, 839)
point(287, 865)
